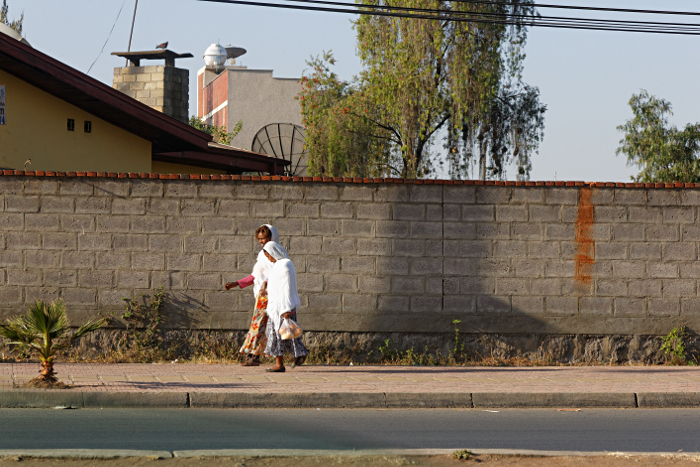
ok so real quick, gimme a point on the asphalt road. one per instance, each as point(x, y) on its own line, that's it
point(662, 430)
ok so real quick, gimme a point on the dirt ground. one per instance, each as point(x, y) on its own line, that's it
point(374, 461)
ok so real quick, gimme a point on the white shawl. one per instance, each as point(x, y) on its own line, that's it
point(262, 266)
point(282, 294)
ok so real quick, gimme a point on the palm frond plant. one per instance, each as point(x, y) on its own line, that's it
point(46, 331)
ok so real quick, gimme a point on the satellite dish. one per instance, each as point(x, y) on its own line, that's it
point(234, 52)
point(283, 141)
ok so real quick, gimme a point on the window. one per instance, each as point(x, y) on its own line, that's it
point(71, 124)
point(88, 127)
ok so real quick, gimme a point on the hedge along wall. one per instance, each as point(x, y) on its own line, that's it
point(371, 255)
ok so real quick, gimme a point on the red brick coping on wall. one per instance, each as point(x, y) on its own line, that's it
point(406, 181)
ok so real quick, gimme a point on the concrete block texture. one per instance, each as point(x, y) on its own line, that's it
point(376, 257)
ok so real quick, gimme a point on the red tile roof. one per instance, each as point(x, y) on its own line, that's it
point(402, 181)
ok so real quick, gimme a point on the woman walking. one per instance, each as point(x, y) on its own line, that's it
point(283, 302)
point(255, 341)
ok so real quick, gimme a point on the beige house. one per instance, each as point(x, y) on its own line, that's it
point(63, 120)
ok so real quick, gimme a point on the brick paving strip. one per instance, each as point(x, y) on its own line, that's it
point(230, 385)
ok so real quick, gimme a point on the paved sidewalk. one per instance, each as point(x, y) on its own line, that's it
point(234, 386)
point(232, 378)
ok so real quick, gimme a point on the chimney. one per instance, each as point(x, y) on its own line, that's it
point(162, 87)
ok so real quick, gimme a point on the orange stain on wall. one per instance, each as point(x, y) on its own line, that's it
point(585, 244)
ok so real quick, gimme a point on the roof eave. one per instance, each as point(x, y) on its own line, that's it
point(93, 96)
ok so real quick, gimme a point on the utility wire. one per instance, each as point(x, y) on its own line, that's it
point(505, 15)
point(110, 35)
point(588, 8)
point(573, 23)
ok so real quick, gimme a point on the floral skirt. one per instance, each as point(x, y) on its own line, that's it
point(255, 340)
point(277, 347)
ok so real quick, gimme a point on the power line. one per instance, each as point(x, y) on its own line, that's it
point(588, 8)
point(569, 23)
point(110, 35)
point(564, 23)
point(538, 18)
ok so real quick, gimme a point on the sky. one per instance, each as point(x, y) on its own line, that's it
point(586, 78)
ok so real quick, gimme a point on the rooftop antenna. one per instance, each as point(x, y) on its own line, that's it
point(131, 34)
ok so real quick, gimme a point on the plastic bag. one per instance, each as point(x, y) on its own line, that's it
point(289, 329)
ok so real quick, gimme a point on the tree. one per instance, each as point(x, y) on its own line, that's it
point(341, 138)
point(4, 18)
point(662, 151)
point(45, 330)
point(426, 80)
point(510, 131)
point(220, 133)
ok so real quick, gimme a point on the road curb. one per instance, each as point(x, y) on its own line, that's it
point(135, 400)
point(87, 454)
point(344, 400)
point(668, 399)
point(103, 454)
point(40, 399)
point(535, 453)
point(411, 400)
point(311, 452)
point(102, 400)
point(233, 400)
point(553, 399)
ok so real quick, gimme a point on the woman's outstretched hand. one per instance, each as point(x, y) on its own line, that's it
point(231, 285)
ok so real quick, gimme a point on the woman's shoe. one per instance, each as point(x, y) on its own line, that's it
point(275, 370)
point(299, 361)
point(251, 360)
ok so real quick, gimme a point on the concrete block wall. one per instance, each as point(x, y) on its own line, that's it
point(370, 257)
point(164, 88)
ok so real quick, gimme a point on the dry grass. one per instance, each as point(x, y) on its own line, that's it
point(36, 383)
point(318, 356)
point(217, 349)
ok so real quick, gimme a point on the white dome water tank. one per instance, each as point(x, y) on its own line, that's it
point(215, 57)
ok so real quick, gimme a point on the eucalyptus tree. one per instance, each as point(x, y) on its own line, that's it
point(509, 132)
point(661, 151)
point(343, 136)
point(426, 80)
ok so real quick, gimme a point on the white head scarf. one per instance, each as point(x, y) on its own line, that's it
point(275, 236)
point(282, 293)
point(263, 265)
point(276, 250)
